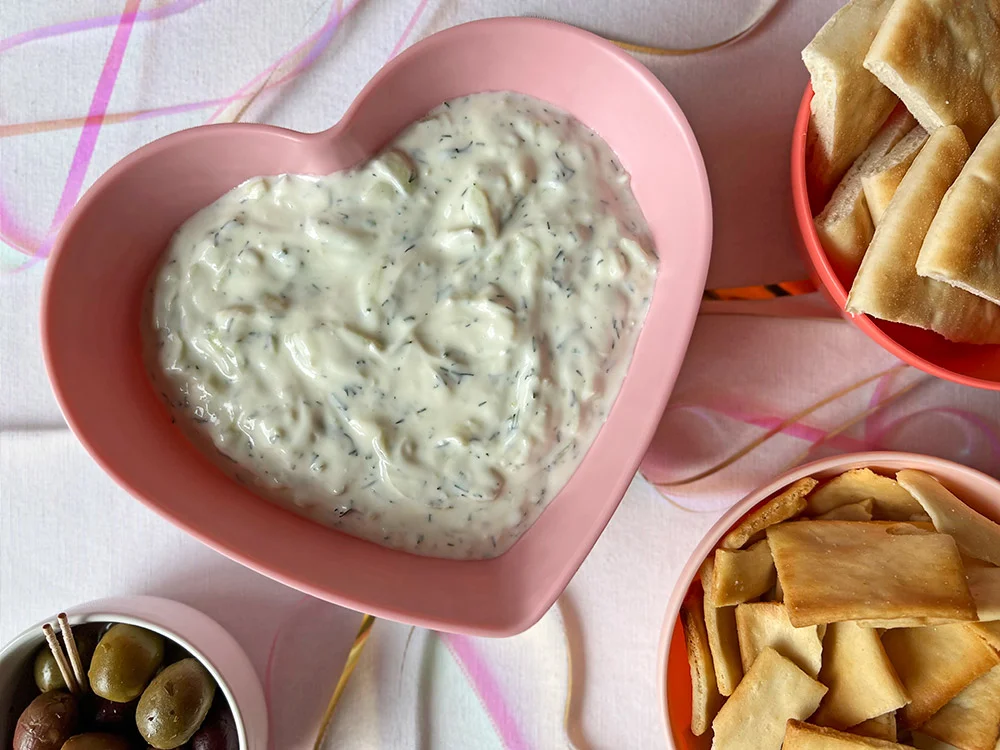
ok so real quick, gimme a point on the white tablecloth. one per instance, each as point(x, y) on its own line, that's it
point(67, 534)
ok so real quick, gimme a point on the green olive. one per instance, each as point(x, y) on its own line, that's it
point(175, 704)
point(96, 741)
point(47, 674)
point(124, 662)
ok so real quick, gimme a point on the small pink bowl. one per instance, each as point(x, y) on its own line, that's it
point(673, 677)
point(112, 239)
point(200, 635)
point(968, 364)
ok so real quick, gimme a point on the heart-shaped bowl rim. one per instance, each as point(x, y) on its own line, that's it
point(622, 101)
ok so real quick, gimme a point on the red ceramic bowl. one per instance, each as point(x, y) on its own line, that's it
point(673, 677)
point(111, 241)
point(968, 364)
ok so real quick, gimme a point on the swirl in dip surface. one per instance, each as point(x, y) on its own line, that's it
point(418, 351)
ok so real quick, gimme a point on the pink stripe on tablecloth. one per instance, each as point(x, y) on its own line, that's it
point(409, 29)
point(483, 682)
point(88, 138)
point(86, 24)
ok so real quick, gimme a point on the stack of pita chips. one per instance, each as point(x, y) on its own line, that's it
point(858, 612)
point(905, 125)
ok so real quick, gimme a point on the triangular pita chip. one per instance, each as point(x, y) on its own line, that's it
point(935, 664)
point(771, 693)
point(962, 246)
point(849, 103)
point(884, 176)
point(977, 536)
point(891, 501)
point(942, 58)
point(844, 225)
point(863, 683)
point(970, 720)
point(887, 285)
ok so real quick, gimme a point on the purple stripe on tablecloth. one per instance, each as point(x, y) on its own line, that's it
point(88, 137)
point(86, 24)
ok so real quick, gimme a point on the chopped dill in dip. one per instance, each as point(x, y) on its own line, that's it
point(418, 351)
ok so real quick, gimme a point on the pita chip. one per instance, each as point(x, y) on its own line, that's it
point(887, 285)
point(881, 727)
point(862, 681)
point(962, 246)
point(923, 742)
point(705, 698)
point(771, 693)
point(844, 225)
point(891, 502)
point(977, 536)
point(970, 720)
point(802, 736)
point(788, 504)
point(849, 103)
point(942, 59)
point(720, 624)
point(766, 625)
point(935, 664)
point(883, 177)
point(984, 585)
point(989, 632)
point(832, 571)
point(861, 511)
point(741, 575)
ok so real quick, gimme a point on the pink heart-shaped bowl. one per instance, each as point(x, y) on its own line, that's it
point(110, 243)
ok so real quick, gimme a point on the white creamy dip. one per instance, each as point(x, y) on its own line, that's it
point(418, 351)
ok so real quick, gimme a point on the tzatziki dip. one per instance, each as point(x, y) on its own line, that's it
point(418, 351)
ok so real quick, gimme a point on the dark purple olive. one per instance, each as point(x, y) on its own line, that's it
point(47, 722)
point(109, 713)
point(219, 730)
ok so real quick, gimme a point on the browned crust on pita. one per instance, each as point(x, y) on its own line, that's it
point(790, 503)
point(705, 698)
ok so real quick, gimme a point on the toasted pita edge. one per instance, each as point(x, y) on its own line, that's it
point(976, 535)
point(800, 735)
point(790, 503)
point(705, 697)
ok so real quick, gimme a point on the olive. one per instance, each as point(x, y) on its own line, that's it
point(124, 661)
point(47, 674)
point(175, 704)
point(96, 741)
point(47, 722)
point(108, 713)
point(219, 730)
